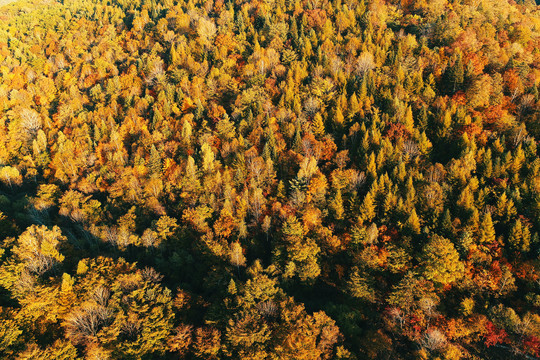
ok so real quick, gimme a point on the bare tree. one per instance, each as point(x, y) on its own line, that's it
point(131, 329)
point(396, 316)
point(433, 339)
point(267, 308)
point(101, 295)
point(30, 121)
point(150, 274)
point(86, 322)
point(365, 63)
point(311, 106)
point(411, 148)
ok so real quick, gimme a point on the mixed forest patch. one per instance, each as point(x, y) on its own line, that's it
point(269, 179)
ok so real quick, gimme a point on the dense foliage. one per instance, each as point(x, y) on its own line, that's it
point(277, 179)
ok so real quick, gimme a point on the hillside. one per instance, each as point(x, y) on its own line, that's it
point(277, 179)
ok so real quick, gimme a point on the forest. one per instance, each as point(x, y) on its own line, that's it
point(270, 179)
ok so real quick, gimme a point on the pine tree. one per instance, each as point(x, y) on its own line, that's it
point(446, 223)
point(297, 140)
point(516, 234)
point(454, 76)
point(67, 297)
point(413, 222)
point(270, 143)
point(367, 209)
point(237, 255)
point(520, 237)
point(473, 223)
point(408, 121)
point(281, 191)
point(187, 130)
point(318, 126)
point(487, 231)
point(301, 259)
point(424, 145)
point(423, 119)
point(337, 206)
point(445, 124)
point(487, 164)
point(457, 73)
point(466, 200)
point(154, 161)
point(518, 160)
point(359, 287)
point(372, 166)
point(339, 119)
point(354, 106)
point(174, 58)
point(208, 158)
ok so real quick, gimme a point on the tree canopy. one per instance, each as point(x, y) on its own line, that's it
point(279, 179)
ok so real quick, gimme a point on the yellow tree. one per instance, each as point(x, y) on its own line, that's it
point(441, 261)
point(38, 248)
point(301, 252)
point(486, 231)
point(10, 176)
